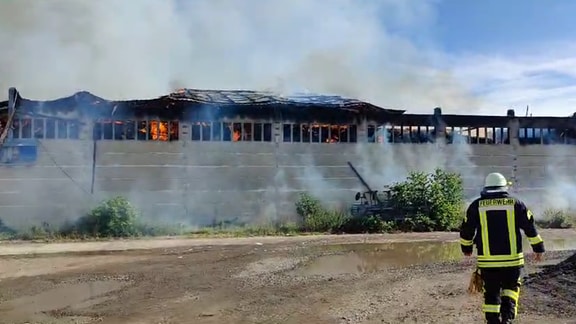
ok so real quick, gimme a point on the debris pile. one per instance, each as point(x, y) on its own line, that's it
point(556, 286)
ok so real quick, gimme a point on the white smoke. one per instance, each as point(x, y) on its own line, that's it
point(122, 50)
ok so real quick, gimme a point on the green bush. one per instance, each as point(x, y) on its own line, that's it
point(114, 217)
point(432, 202)
point(315, 218)
point(556, 218)
point(370, 224)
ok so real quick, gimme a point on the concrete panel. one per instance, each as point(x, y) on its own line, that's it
point(181, 171)
point(32, 186)
point(44, 172)
point(202, 181)
point(23, 217)
point(184, 147)
point(200, 159)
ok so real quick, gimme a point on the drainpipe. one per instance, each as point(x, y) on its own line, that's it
point(513, 131)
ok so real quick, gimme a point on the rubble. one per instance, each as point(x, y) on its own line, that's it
point(554, 287)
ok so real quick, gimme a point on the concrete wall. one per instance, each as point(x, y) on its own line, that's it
point(195, 182)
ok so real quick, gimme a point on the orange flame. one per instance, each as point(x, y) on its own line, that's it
point(158, 130)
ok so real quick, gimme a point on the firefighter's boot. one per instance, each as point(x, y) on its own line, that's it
point(493, 320)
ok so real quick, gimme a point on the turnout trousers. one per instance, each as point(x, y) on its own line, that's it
point(501, 293)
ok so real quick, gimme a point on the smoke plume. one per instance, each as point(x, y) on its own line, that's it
point(122, 50)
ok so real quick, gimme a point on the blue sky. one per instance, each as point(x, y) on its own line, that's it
point(509, 26)
point(526, 50)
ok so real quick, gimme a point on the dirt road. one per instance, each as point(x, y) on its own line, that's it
point(403, 278)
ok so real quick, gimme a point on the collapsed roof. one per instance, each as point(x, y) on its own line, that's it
point(186, 101)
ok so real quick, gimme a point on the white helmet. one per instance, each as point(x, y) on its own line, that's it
point(495, 179)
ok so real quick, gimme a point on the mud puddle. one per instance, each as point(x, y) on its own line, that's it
point(66, 296)
point(366, 258)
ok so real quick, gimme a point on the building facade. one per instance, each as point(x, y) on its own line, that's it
point(196, 156)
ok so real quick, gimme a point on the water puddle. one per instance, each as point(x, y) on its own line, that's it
point(69, 295)
point(366, 258)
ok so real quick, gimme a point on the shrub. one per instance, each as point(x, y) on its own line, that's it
point(432, 202)
point(370, 224)
point(114, 217)
point(556, 218)
point(315, 218)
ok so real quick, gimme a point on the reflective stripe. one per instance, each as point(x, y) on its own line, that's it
point(535, 240)
point(497, 264)
point(487, 308)
point(466, 242)
point(501, 257)
point(514, 295)
point(511, 220)
point(484, 232)
point(510, 293)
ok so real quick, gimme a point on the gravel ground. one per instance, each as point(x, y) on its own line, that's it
point(344, 279)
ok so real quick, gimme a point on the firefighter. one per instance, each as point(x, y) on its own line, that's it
point(493, 223)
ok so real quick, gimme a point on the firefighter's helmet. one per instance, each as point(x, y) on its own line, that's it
point(495, 179)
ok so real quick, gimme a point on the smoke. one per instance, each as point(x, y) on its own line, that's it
point(120, 50)
point(123, 50)
point(382, 164)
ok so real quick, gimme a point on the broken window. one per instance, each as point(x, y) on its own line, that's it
point(117, 130)
point(196, 131)
point(286, 133)
point(26, 128)
point(353, 133)
point(342, 133)
point(258, 132)
point(174, 129)
point(306, 133)
point(227, 132)
point(324, 134)
point(61, 129)
point(16, 128)
point(217, 131)
point(315, 134)
point(142, 130)
point(296, 133)
point(237, 132)
point(247, 131)
point(267, 132)
point(38, 126)
point(97, 131)
point(206, 131)
point(130, 130)
point(371, 134)
point(107, 130)
point(159, 130)
point(50, 128)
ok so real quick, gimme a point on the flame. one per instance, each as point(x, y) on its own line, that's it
point(158, 130)
point(236, 136)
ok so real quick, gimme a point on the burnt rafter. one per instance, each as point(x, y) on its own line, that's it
point(197, 104)
point(192, 102)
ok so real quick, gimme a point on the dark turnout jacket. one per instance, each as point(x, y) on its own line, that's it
point(493, 222)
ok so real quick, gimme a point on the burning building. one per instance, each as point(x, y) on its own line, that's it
point(196, 155)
